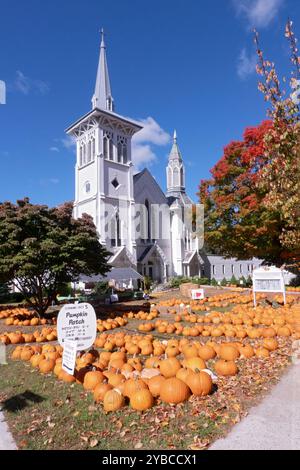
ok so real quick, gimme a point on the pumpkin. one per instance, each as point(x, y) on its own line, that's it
point(246, 351)
point(63, 375)
point(284, 331)
point(190, 350)
point(100, 391)
point(226, 368)
point(270, 343)
point(92, 379)
point(200, 383)
point(262, 353)
point(169, 367)
point(194, 363)
point(141, 400)
point(174, 391)
point(17, 353)
point(155, 384)
point(26, 354)
point(46, 366)
point(132, 385)
point(113, 401)
point(36, 359)
point(183, 373)
point(206, 352)
point(57, 369)
point(228, 352)
point(268, 332)
point(116, 379)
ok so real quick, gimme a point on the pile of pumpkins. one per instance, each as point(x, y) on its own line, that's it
point(111, 324)
point(14, 312)
point(34, 321)
point(114, 378)
point(141, 315)
point(39, 336)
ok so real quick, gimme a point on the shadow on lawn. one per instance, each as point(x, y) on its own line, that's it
point(21, 401)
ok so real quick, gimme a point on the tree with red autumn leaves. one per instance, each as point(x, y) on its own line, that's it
point(236, 222)
point(252, 201)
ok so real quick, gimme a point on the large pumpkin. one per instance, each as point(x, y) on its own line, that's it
point(206, 352)
point(228, 352)
point(133, 385)
point(113, 401)
point(92, 379)
point(246, 351)
point(100, 391)
point(46, 366)
point(270, 343)
point(200, 383)
point(155, 384)
point(141, 400)
point(194, 363)
point(175, 391)
point(169, 367)
point(226, 368)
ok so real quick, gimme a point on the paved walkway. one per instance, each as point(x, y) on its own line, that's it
point(272, 425)
point(6, 439)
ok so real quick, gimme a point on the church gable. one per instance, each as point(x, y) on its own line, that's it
point(146, 187)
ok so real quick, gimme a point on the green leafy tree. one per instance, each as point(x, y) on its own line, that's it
point(43, 248)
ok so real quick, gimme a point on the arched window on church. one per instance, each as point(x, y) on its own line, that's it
point(116, 231)
point(105, 147)
point(148, 219)
point(181, 176)
point(81, 156)
point(169, 177)
point(120, 148)
point(111, 149)
point(89, 151)
point(84, 154)
point(93, 148)
point(176, 177)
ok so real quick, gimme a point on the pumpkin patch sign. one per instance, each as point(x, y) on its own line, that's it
point(78, 323)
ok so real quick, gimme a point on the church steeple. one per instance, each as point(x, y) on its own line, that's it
point(102, 97)
point(175, 170)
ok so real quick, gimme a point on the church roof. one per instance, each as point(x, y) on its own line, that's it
point(181, 198)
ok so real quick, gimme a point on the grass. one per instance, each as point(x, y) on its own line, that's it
point(46, 414)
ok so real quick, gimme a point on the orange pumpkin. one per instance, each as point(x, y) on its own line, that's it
point(226, 368)
point(141, 400)
point(174, 391)
point(200, 383)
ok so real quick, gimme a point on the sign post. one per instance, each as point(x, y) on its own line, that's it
point(268, 279)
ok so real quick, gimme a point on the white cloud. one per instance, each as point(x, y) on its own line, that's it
point(151, 135)
point(246, 65)
point(46, 182)
point(54, 149)
point(259, 13)
point(69, 142)
point(26, 85)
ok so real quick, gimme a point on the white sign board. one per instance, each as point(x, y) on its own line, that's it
point(268, 279)
point(77, 322)
point(114, 298)
point(69, 356)
point(197, 294)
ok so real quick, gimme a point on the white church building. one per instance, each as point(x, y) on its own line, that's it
point(142, 226)
point(137, 222)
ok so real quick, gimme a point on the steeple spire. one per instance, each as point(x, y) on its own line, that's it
point(102, 97)
point(175, 170)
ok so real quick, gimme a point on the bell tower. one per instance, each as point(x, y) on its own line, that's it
point(104, 169)
point(175, 171)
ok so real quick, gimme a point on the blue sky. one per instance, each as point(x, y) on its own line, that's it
point(184, 64)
